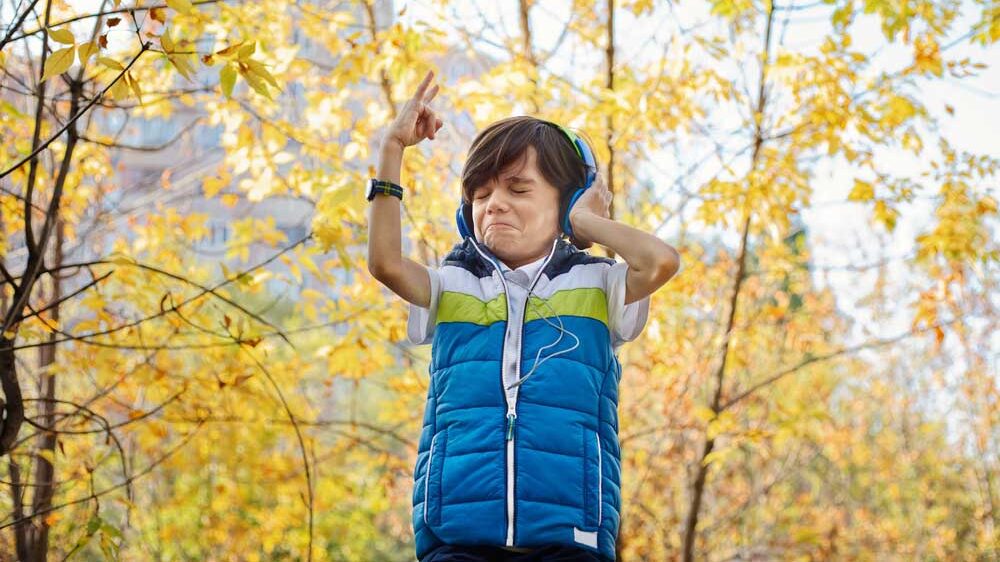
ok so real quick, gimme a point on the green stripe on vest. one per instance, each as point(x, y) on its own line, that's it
point(588, 302)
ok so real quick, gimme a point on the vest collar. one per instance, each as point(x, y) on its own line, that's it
point(469, 251)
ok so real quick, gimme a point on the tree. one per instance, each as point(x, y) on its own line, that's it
point(199, 367)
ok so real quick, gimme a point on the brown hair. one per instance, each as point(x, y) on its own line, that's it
point(507, 140)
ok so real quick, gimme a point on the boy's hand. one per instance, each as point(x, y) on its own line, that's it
point(595, 200)
point(416, 121)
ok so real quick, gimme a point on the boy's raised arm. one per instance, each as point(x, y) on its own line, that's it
point(405, 277)
point(651, 261)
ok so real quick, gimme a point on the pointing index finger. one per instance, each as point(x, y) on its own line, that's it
point(423, 85)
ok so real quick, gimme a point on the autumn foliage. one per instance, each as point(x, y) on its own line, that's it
point(260, 401)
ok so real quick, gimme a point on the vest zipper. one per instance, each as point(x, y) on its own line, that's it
point(512, 403)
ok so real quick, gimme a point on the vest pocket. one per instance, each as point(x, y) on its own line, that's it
point(592, 474)
point(432, 483)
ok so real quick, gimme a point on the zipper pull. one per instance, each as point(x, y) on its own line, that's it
point(510, 426)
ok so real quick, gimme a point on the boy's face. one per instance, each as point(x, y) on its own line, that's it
point(517, 217)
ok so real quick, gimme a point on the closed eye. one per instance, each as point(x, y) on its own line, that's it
point(482, 195)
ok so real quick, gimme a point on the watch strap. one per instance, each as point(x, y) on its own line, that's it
point(386, 187)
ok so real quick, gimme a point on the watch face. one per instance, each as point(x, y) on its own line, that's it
point(370, 190)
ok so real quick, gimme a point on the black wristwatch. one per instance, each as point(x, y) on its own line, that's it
point(381, 186)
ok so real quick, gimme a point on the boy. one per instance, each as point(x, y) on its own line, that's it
point(518, 456)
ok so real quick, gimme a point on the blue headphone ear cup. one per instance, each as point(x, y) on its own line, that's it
point(463, 218)
point(591, 176)
point(460, 223)
point(566, 226)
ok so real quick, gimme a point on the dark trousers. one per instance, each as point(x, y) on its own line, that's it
point(555, 553)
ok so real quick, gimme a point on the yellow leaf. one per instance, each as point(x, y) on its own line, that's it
point(256, 83)
point(259, 69)
point(230, 51)
point(230, 199)
point(308, 263)
point(886, 215)
point(719, 455)
point(986, 205)
point(134, 85)
point(927, 55)
point(181, 64)
point(62, 36)
point(704, 413)
point(863, 191)
point(59, 62)
point(182, 6)
point(85, 50)
point(227, 78)
point(166, 42)
point(247, 50)
point(213, 185)
point(119, 90)
point(110, 63)
point(48, 455)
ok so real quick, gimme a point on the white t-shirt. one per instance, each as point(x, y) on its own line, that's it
point(625, 322)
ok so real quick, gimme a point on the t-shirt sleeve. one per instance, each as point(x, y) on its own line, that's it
point(625, 322)
point(420, 325)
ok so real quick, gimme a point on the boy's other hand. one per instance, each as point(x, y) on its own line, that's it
point(416, 121)
point(595, 200)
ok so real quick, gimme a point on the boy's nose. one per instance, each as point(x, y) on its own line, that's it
point(496, 202)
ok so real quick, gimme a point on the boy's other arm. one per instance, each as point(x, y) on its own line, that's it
point(651, 261)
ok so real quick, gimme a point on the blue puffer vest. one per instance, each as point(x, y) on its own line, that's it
point(535, 464)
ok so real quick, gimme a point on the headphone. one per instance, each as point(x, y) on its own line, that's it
point(463, 217)
point(561, 328)
point(464, 220)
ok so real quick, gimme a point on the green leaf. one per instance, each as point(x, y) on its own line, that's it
point(7, 107)
point(94, 524)
point(111, 530)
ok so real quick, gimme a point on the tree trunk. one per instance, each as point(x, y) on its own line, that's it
point(698, 489)
point(37, 536)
